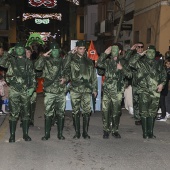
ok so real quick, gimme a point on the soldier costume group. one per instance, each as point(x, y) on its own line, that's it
point(80, 72)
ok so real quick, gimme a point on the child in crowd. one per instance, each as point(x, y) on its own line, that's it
point(2, 92)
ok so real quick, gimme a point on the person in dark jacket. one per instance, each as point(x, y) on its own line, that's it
point(164, 93)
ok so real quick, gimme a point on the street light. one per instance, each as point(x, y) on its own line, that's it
point(76, 2)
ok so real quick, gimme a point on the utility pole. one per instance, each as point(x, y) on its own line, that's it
point(121, 7)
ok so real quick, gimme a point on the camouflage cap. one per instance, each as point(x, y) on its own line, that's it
point(152, 47)
point(81, 43)
point(19, 44)
point(54, 45)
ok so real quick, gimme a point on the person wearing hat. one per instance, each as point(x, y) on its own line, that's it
point(136, 48)
point(113, 89)
point(28, 53)
point(81, 72)
point(51, 64)
point(21, 79)
point(151, 78)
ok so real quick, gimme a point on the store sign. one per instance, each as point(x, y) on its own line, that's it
point(126, 27)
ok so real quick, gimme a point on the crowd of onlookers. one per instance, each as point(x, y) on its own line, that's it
point(3, 89)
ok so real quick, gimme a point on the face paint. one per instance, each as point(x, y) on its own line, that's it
point(150, 54)
point(20, 51)
point(115, 51)
point(55, 53)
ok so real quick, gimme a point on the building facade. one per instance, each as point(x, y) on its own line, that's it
point(152, 23)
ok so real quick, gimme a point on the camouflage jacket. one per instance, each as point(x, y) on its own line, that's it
point(149, 73)
point(81, 73)
point(52, 73)
point(130, 54)
point(20, 74)
point(115, 80)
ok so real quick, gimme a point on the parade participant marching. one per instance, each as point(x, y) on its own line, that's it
point(113, 89)
point(136, 48)
point(151, 78)
point(51, 63)
point(34, 95)
point(21, 79)
point(83, 83)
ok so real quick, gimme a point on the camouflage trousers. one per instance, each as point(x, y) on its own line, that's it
point(148, 104)
point(33, 105)
point(55, 104)
point(135, 103)
point(19, 104)
point(80, 100)
point(111, 108)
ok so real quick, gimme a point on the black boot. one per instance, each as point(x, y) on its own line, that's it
point(144, 127)
point(60, 125)
point(25, 128)
point(105, 135)
point(86, 119)
point(116, 135)
point(76, 123)
point(138, 122)
point(12, 125)
point(150, 125)
point(48, 121)
point(115, 126)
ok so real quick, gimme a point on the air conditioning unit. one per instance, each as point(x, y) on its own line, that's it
point(106, 26)
point(97, 28)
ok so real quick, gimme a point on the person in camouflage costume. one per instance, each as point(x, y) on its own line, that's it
point(34, 95)
point(54, 88)
point(21, 79)
point(151, 78)
point(137, 48)
point(83, 83)
point(113, 88)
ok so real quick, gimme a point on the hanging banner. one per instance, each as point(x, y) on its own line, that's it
point(27, 16)
point(92, 53)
